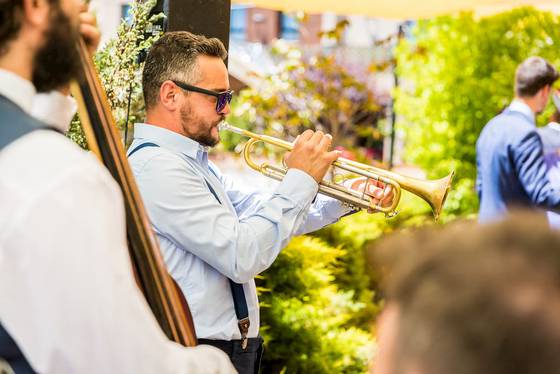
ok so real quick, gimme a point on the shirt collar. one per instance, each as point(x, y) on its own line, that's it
point(520, 107)
point(170, 140)
point(17, 89)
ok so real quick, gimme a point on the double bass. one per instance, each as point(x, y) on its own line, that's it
point(160, 290)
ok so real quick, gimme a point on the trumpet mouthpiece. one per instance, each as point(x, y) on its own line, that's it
point(226, 126)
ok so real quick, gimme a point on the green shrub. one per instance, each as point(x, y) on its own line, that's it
point(358, 232)
point(317, 302)
point(120, 70)
point(307, 320)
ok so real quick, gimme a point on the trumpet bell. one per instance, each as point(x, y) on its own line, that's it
point(434, 192)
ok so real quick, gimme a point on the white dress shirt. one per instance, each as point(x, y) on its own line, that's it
point(206, 241)
point(67, 292)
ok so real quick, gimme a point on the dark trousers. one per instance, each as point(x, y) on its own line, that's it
point(11, 356)
point(246, 361)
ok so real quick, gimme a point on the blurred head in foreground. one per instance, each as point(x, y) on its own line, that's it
point(472, 299)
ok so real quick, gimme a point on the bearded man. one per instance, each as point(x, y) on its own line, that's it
point(69, 300)
point(216, 236)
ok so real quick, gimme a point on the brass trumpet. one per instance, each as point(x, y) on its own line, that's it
point(433, 192)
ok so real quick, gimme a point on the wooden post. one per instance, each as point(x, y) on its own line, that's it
point(207, 17)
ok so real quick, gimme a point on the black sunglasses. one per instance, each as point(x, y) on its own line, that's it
point(223, 98)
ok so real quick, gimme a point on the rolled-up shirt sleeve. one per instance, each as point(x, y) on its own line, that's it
point(184, 210)
point(323, 211)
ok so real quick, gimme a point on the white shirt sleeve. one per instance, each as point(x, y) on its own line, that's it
point(54, 109)
point(323, 211)
point(69, 298)
point(183, 210)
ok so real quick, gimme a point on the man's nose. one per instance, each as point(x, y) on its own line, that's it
point(226, 111)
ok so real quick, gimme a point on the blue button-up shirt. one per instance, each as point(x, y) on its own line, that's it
point(205, 241)
point(511, 171)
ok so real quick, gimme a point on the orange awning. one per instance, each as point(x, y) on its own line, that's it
point(400, 9)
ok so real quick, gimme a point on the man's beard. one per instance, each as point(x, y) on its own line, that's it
point(57, 62)
point(204, 133)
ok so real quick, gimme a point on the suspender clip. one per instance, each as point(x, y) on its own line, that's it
point(244, 329)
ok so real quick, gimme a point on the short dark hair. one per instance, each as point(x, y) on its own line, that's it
point(11, 14)
point(532, 75)
point(475, 299)
point(173, 57)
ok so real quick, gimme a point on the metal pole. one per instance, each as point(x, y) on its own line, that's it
point(393, 114)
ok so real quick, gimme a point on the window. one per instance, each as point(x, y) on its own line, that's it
point(238, 22)
point(289, 27)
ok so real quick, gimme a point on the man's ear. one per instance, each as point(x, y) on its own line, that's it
point(170, 95)
point(36, 12)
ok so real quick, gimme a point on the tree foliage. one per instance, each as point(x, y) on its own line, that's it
point(120, 69)
point(458, 73)
point(310, 92)
point(308, 321)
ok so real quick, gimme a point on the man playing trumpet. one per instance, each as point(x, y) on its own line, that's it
point(216, 237)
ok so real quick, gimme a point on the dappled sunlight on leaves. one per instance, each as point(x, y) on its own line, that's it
point(457, 74)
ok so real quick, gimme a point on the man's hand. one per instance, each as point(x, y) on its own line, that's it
point(380, 194)
point(89, 30)
point(311, 154)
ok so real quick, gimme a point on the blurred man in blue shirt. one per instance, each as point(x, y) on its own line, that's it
point(511, 170)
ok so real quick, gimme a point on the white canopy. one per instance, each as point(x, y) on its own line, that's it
point(400, 9)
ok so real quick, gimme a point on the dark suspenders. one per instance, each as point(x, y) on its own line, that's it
point(239, 300)
point(143, 145)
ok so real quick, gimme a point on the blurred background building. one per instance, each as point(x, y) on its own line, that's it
point(254, 31)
